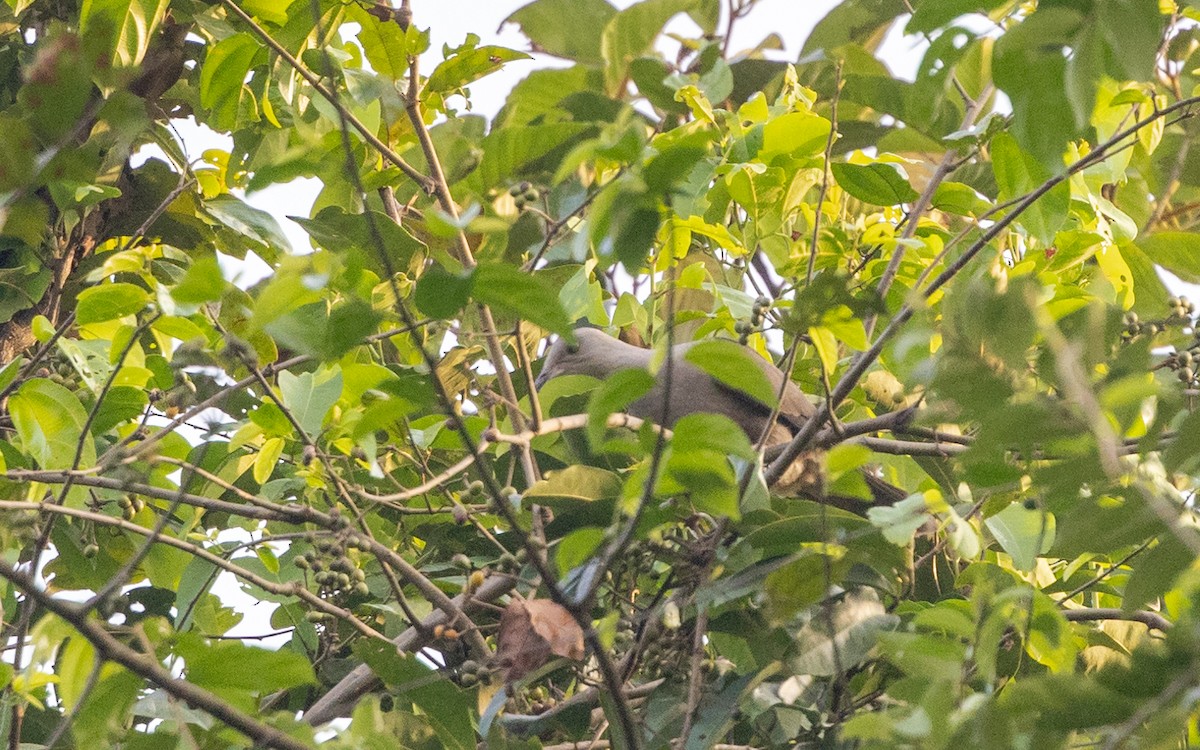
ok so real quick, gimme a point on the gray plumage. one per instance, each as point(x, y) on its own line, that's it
point(694, 391)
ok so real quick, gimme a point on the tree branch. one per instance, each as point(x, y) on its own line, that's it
point(1152, 620)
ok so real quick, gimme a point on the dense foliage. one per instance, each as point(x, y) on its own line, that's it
point(963, 271)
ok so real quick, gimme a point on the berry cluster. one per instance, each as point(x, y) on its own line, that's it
point(1179, 313)
point(1184, 363)
point(477, 491)
point(758, 314)
point(668, 655)
point(524, 194)
point(333, 569)
point(59, 370)
point(471, 673)
point(130, 506)
point(533, 700)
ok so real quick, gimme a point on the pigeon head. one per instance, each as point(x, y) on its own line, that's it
point(593, 353)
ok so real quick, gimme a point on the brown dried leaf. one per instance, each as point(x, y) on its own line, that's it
point(532, 631)
point(557, 626)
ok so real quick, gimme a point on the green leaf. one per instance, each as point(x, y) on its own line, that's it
point(576, 547)
point(267, 458)
point(1023, 533)
point(225, 666)
point(75, 662)
point(1156, 572)
point(55, 98)
point(576, 483)
point(797, 134)
point(528, 296)
point(310, 396)
point(448, 708)
point(104, 715)
point(1028, 64)
point(126, 26)
point(507, 152)
point(223, 76)
point(384, 43)
point(9, 372)
point(256, 225)
point(928, 656)
point(203, 282)
point(469, 65)
point(699, 460)
point(49, 420)
point(1068, 702)
point(1149, 292)
point(801, 579)
point(631, 32)
point(858, 21)
point(1017, 174)
point(271, 11)
point(565, 28)
point(736, 367)
point(539, 94)
point(121, 404)
point(1178, 252)
point(24, 278)
point(900, 522)
point(1133, 31)
point(338, 230)
point(879, 184)
point(109, 301)
point(957, 198)
point(615, 394)
point(441, 294)
point(933, 14)
point(716, 715)
point(322, 333)
point(1183, 453)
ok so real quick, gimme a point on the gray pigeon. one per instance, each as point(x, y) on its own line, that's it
point(694, 391)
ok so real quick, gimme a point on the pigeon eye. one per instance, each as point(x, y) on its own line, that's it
point(572, 348)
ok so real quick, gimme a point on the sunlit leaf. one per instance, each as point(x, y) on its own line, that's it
point(49, 420)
